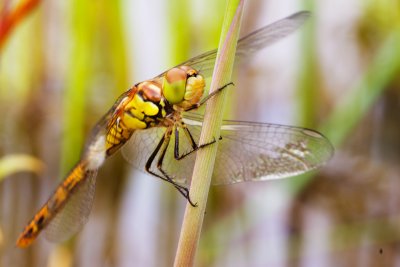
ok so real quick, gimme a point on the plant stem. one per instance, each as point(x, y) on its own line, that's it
point(203, 168)
point(9, 20)
point(74, 98)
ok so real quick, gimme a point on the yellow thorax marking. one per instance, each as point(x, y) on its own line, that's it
point(132, 122)
point(139, 105)
point(138, 108)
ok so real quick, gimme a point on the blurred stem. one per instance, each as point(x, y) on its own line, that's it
point(179, 30)
point(19, 163)
point(204, 164)
point(357, 102)
point(117, 45)
point(74, 97)
point(383, 70)
point(9, 20)
point(309, 74)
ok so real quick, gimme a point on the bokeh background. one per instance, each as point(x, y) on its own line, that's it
point(64, 63)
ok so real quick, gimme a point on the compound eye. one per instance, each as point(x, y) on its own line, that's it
point(174, 85)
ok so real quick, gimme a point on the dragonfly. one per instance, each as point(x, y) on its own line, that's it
point(155, 126)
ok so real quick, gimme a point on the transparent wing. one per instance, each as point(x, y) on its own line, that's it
point(247, 151)
point(141, 145)
point(75, 213)
point(252, 151)
point(251, 43)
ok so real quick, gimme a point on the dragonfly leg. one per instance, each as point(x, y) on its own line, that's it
point(204, 100)
point(195, 149)
point(162, 148)
point(188, 135)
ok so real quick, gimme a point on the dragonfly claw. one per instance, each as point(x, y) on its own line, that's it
point(194, 205)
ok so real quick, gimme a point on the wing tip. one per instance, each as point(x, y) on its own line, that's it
point(301, 15)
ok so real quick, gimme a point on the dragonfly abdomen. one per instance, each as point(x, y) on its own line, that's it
point(53, 205)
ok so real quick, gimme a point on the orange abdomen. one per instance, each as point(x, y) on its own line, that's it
point(52, 206)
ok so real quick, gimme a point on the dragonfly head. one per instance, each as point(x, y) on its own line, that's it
point(183, 86)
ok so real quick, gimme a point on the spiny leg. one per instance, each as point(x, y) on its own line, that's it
point(204, 100)
point(189, 137)
point(183, 190)
point(195, 147)
point(163, 145)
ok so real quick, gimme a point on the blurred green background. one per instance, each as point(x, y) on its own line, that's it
point(66, 62)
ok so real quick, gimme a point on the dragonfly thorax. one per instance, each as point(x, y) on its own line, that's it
point(183, 86)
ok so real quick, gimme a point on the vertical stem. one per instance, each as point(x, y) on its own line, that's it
point(74, 99)
point(383, 69)
point(178, 38)
point(203, 169)
point(309, 79)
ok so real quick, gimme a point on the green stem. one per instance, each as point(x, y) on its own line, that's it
point(74, 99)
point(203, 169)
point(309, 79)
point(356, 103)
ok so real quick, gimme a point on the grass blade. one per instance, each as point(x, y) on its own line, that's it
point(204, 164)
